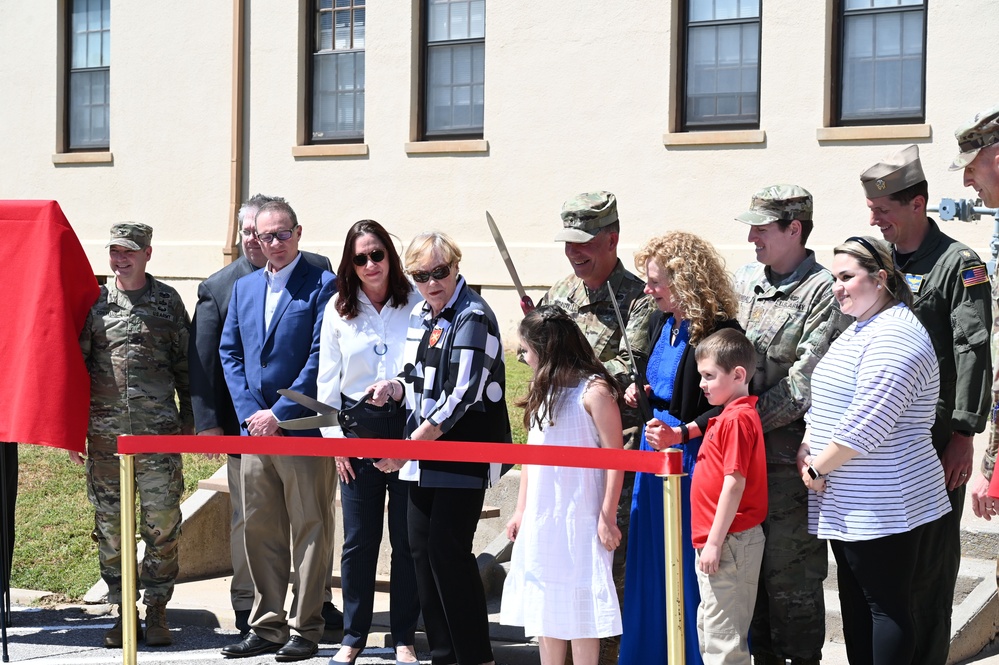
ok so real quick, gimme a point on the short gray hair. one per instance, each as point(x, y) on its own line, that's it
point(254, 203)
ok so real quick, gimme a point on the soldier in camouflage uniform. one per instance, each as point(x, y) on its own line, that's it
point(978, 140)
point(591, 229)
point(951, 299)
point(787, 308)
point(135, 344)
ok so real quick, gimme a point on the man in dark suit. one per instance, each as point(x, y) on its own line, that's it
point(214, 414)
point(270, 340)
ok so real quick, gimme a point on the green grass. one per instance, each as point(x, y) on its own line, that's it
point(53, 547)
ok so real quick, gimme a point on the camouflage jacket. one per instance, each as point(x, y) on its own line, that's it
point(137, 358)
point(957, 316)
point(594, 314)
point(791, 324)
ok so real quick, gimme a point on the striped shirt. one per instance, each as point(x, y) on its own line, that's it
point(455, 377)
point(875, 391)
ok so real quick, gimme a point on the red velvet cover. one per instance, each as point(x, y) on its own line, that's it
point(49, 288)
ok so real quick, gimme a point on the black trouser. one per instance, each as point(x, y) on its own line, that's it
point(875, 594)
point(937, 565)
point(10, 488)
point(362, 513)
point(442, 524)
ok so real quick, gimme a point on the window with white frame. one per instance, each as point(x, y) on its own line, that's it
point(721, 81)
point(454, 69)
point(882, 63)
point(88, 111)
point(338, 71)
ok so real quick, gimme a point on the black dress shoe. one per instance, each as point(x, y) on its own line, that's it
point(297, 648)
point(332, 616)
point(250, 646)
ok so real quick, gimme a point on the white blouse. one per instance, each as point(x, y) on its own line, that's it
point(355, 353)
point(875, 391)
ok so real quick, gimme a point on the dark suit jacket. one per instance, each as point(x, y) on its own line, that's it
point(209, 392)
point(258, 362)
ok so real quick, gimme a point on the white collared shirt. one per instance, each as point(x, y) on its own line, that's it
point(276, 283)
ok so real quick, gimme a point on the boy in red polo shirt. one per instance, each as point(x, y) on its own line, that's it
point(728, 498)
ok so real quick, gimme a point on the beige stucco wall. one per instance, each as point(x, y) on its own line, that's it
point(577, 97)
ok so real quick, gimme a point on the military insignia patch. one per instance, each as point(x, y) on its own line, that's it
point(975, 275)
point(966, 253)
point(880, 184)
point(914, 282)
point(435, 336)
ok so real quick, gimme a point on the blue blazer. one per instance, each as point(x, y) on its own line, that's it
point(257, 362)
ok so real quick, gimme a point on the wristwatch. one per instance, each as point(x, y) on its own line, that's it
point(814, 474)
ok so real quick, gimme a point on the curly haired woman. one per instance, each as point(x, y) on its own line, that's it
point(693, 293)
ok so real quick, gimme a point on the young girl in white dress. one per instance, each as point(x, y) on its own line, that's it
point(560, 586)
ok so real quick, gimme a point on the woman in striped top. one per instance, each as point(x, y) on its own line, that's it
point(867, 454)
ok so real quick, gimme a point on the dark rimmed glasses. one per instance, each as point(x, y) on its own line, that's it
point(361, 260)
point(268, 238)
point(424, 276)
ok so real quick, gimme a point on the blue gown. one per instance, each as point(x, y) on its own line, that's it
point(644, 611)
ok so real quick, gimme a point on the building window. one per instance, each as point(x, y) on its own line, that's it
point(88, 115)
point(722, 65)
point(338, 71)
point(882, 61)
point(454, 71)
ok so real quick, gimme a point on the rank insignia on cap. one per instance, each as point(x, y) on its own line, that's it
point(880, 184)
point(914, 282)
point(435, 335)
point(976, 275)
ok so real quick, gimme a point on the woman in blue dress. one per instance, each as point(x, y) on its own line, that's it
point(693, 293)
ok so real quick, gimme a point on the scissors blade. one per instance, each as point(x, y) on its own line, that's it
point(310, 422)
point(307, 402)
point(498, 237)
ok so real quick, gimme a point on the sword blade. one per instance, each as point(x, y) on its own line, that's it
point(498, 238)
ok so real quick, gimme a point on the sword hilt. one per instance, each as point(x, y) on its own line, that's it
point(644, 408)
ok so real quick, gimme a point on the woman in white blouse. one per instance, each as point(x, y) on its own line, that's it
point(362, 340)
point(867, 456)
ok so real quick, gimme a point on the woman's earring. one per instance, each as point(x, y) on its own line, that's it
point(879, 286)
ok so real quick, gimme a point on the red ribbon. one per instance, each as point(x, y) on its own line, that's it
point(444, 451)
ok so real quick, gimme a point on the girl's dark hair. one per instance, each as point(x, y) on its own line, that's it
point(564, 358)
point(347, 281)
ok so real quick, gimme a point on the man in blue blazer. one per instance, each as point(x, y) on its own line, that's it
point(271, 341)
point(214, 414)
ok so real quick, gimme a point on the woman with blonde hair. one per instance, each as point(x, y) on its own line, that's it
point(687, 280)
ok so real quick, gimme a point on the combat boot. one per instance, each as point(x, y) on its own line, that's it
point(112, 638)
point(157, 630)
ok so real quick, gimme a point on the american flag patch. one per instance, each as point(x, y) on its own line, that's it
point(976, 275)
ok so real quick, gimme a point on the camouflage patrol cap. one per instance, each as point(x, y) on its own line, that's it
point(979, 132)
point(894, 173)
point(778, 203)
point(584, 215)
point(131, 235)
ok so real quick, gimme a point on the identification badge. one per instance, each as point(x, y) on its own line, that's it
point(914, 282)
point(435, 336)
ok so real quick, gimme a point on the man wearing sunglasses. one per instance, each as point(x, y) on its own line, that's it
point(270, 340)
point(590, 231)
point(214, 414)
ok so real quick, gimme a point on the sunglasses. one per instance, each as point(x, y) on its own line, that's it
point(377, 256)
point(268, 238)
point(423, 276)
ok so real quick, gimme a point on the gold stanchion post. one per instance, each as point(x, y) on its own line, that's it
point(128, 586)
point(675, 654)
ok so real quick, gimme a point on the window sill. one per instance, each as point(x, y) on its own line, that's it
point(444, 147)
point(330, 150)
point(729, 137)
point(82, 158)
point(873, 132)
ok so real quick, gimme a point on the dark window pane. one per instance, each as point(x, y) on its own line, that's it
point(338, 96)
point(722, 69)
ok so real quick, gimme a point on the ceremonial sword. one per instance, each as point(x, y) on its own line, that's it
point(644, 408)
point(526, 304)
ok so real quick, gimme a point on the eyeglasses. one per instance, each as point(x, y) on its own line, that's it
point(423, 276)
point(377, 256)
point(267, 238)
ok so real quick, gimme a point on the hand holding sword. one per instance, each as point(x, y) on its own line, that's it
point(526, 304)
point(644, 408)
